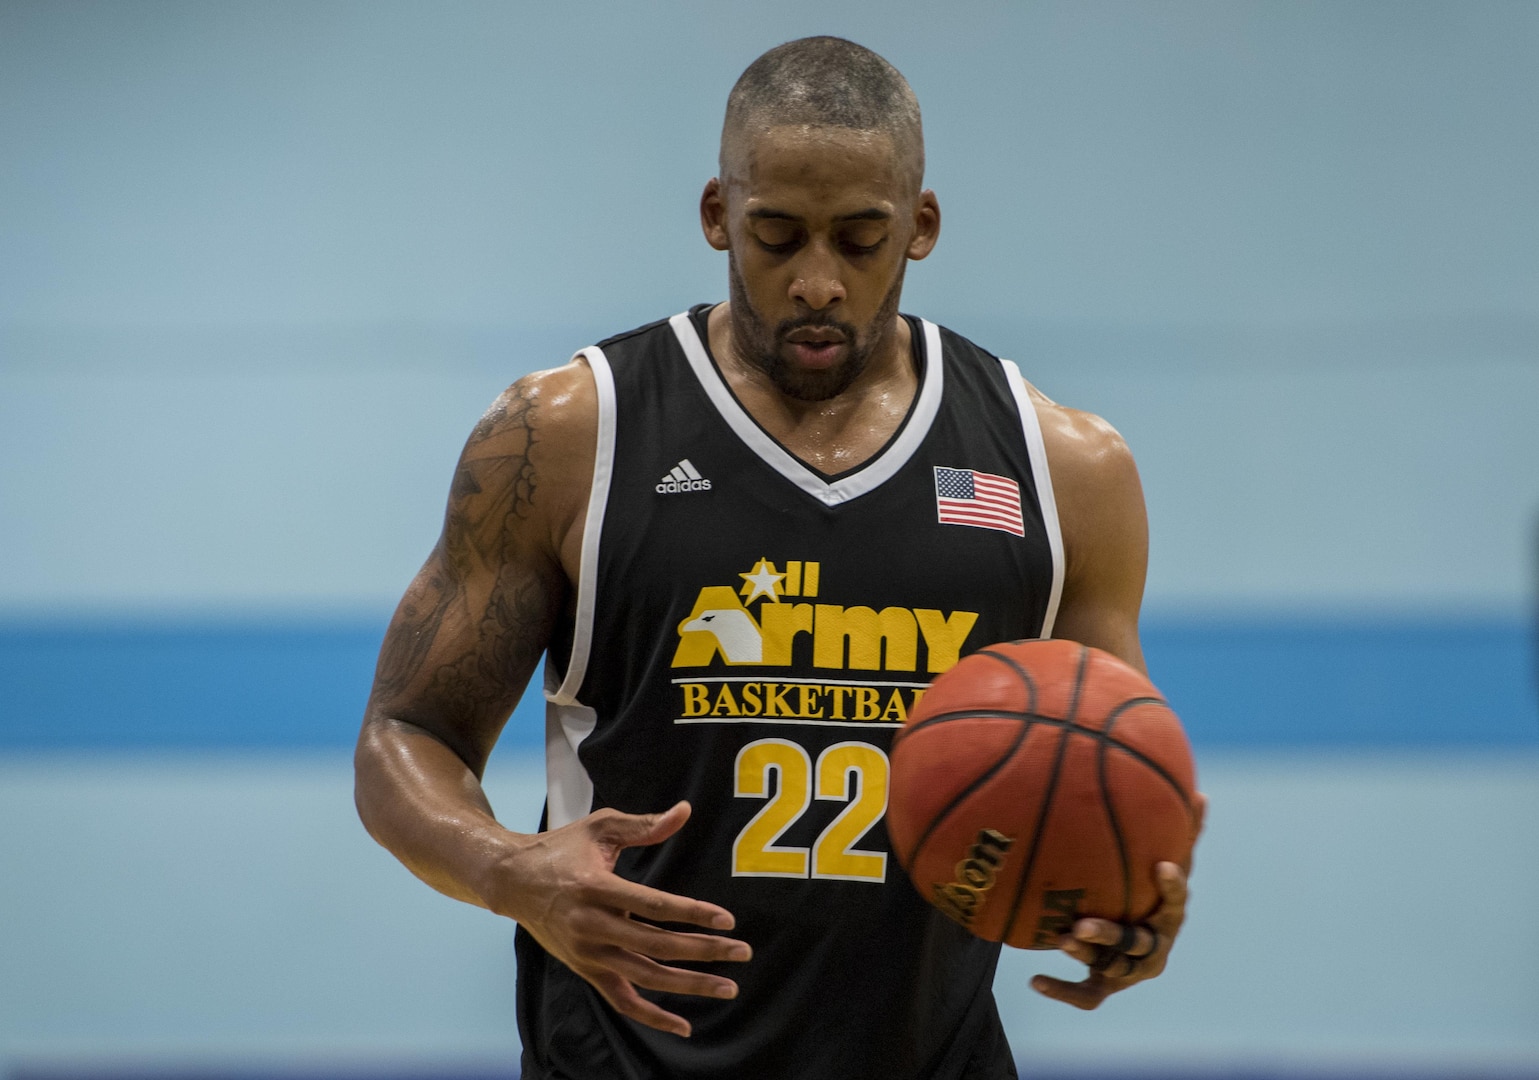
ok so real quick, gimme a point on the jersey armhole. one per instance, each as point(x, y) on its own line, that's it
point(568, 787)
point(565, 692)
point(1042, 478)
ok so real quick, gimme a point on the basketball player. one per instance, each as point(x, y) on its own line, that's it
point(745, 538)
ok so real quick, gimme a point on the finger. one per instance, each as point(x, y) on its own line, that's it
point(1202, 811)
point(1113, 964)
point(1082, 995)
point(1145, 942)
point(1137, 940)
point(1105, 945)
point(597, 926)
point(1132, 939)
point(659, 906)
point(651, 975)
point(618, 830)
point(1085, 953)
point(1171, 881)
point(662, 944)
point(1098, 931)
point(622, 997)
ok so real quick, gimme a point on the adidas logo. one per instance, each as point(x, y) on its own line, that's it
point(683, 477)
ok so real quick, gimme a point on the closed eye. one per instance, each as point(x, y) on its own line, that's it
point(780, 249)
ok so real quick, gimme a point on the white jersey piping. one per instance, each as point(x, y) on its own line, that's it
point(830, 493)
point(569, 788)
point(1031, 427)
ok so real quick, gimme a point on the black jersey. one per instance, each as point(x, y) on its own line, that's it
point(748, 635)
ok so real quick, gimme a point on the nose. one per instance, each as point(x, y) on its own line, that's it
point(816, 281)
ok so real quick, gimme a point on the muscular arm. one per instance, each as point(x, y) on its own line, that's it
point(460, 649)
point(456, 657)
point(1106, 548)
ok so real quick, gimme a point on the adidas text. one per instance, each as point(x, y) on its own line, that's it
point(669, 486)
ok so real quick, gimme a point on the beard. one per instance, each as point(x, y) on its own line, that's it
point(762, 346)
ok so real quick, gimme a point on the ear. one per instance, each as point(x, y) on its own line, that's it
point(927, 223)
point(713, 215)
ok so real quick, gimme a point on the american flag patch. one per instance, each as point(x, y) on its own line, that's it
point(966, 497)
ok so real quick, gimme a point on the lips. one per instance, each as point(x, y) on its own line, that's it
point(816, 346)
point(809, 335)
point(817, 354)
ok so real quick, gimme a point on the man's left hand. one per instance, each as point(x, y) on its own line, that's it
point(1120, 955)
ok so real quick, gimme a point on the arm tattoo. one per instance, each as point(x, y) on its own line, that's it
point(493, 490)
point(411, 633)
point(511, 470)
point(512, 634)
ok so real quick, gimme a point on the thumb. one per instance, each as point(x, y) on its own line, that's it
point(639, 830)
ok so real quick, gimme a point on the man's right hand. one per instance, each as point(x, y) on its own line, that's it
point(562, 888)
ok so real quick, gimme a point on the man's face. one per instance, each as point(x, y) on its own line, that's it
point(818, 224)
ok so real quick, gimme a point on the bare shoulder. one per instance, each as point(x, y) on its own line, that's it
point(555, 410)
point(530, 457)
point(1087, 456)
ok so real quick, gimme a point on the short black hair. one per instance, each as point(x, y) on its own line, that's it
point(826, 82)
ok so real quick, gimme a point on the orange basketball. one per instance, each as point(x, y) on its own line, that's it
point(1037, 782)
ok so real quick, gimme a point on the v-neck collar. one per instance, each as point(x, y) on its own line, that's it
point(850, 485)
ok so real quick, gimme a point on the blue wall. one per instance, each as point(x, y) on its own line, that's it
point(262, 265)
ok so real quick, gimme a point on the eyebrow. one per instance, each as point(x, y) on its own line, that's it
point(871, 214)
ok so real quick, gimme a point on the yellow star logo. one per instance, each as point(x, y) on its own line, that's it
point(762, 581)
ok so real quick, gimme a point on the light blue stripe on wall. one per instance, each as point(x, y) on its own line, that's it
point(1259, 682)
point(223, 916)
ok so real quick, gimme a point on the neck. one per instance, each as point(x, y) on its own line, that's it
point(838, 433)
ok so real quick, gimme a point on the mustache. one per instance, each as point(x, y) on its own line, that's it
point(815, 322)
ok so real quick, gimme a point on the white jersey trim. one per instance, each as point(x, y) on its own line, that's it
point(870, 476)
point(1031, 427)
point(569, 788)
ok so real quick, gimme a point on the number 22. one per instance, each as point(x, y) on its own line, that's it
point(754, 853)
